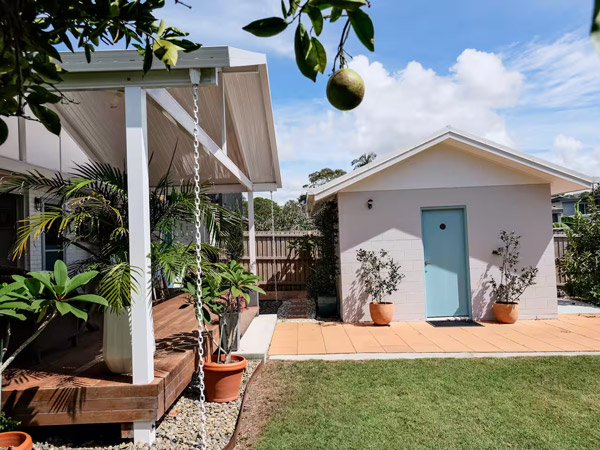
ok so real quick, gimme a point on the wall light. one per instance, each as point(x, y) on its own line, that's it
point(370, 203)
point(37, 203)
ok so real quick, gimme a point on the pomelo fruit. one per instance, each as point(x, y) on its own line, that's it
point(345, 89)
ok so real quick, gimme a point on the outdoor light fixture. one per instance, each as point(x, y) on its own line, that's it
point(370, 203)
point(37, 203)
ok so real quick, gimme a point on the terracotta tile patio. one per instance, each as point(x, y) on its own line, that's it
point(569, 333)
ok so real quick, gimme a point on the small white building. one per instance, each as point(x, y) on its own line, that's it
point(438, 209)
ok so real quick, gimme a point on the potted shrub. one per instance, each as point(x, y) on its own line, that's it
point(508, 289)
point(46, 295)
point(225, 291)
point(380, 276)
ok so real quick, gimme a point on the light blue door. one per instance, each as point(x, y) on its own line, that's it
point(446, 269)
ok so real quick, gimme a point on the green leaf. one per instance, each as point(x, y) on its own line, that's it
point(3, 131)
point(363, 27)
point(336, 13)
point(91, 298)
point(320, 53)
point(79, 313)
point(284, 10)
point(46, 69)
point(148, 56)
point(316, 18)
point(161, 28)
point(41, 95)
point(11, 313)
point(44, 278)
point(294, 4)
point(47, 117)
point(306, 59)
point(268, 27)
point(349, 5)
point(166, 51)
point(63, 308)
point(595, 32)
point(61, 275)
point(80, 280)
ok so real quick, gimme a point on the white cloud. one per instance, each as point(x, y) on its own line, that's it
point(571, 152)
point(399, 109)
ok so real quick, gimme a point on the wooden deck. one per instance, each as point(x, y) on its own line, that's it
point(75, 387)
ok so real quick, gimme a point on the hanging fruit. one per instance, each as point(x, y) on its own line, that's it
point(345, 89)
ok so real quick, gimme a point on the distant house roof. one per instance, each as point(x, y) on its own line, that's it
point(560, 178)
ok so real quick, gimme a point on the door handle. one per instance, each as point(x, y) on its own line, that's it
point(427, 263)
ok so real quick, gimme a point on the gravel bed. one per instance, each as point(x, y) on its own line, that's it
point(178, 429)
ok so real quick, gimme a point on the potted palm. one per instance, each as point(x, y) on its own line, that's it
point(46, 295)
point(380, 276)
point(508, 289)
point(226, 290)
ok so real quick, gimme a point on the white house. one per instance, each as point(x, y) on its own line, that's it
point(438, 209)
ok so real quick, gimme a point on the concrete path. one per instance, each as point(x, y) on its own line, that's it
point(255, 342)
point(569, 333)
point(373, 356)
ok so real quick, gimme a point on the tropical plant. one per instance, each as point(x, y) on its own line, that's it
point(581, 262)
point(224, 292)
point(93, 216)
point(512, 282)
point(46, 295)
point(379, 274)
point(363, 160)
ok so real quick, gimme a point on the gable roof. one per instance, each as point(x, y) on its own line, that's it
point(561, 179)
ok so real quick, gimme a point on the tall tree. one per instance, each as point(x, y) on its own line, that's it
point(363, 160)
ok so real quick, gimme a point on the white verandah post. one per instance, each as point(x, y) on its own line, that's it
point(138, 191)
point(252, 244)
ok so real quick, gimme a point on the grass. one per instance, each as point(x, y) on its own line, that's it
point(518, 403)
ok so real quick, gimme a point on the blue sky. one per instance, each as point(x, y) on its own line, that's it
point(522, 73)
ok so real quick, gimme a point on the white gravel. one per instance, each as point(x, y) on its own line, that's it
point(178, 429)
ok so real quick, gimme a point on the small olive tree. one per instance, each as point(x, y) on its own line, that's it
point(512, 282)
point(379, 273)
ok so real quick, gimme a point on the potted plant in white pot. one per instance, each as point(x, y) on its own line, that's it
point(45, 295)
point(380, 276)
point(226, 290)
point(507, 291)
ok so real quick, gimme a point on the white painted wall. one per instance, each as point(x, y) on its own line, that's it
point(394, 224)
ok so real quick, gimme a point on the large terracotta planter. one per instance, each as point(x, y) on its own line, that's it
point(222, 381)
point(506, 312)
point(16, 440)
point(381, 313)
point(116, 342)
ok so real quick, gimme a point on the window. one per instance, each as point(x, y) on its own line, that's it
point(53, 245)
point(582, 207)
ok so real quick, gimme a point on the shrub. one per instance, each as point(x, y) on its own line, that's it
point(512, 282)
point(581, 261)
point(379, 273)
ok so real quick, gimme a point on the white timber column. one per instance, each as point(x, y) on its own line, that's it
point(138, 191)
point(252, 244)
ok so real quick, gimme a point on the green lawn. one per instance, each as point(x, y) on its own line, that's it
point(518, 403)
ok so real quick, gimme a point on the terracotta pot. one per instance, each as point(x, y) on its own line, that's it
point(16, 440)
point(506, 312)
point(381, 313)
point(222, 381)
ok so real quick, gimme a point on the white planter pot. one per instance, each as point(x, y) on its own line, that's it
point(116, 348)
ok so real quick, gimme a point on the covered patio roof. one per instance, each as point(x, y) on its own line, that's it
point(234, 110)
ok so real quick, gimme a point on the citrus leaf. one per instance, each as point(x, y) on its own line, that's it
point(266, 27)
point(166, 51)
point(294, 4)
point(41, 95)
point(316, 18)
point(320, 53)
point(336, 13)
point(595, 33)
point(306, 59)
point(363, 27)
point(48, 118)
point(3, 131)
